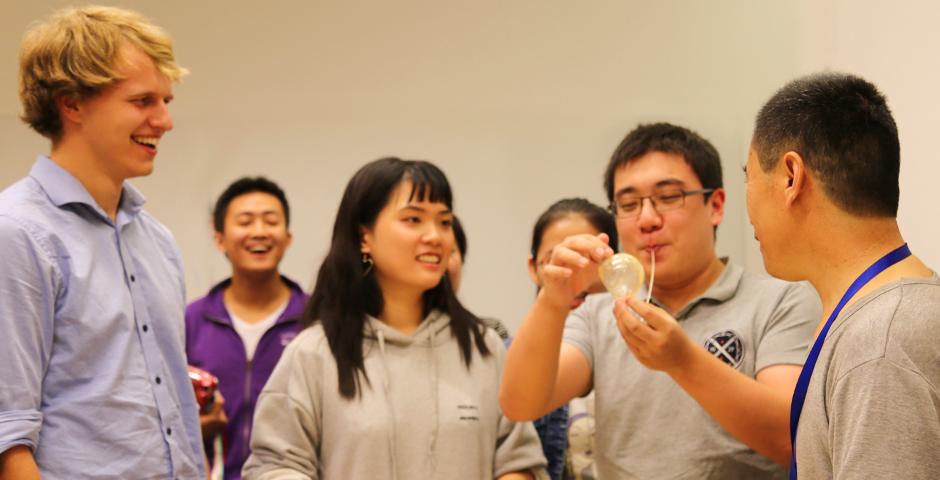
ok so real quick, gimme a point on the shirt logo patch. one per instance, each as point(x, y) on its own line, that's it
point(727, 346)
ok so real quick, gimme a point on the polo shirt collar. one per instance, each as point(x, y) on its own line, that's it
point(722, 290)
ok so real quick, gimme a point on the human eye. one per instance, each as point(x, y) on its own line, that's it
point(670, 197)
point(414, 219)
point(447, 222)
point(142, 101)
point(628, 204)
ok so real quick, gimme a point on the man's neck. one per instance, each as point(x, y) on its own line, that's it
point(106, 191)
point(844, 252)
point(254, 296)
point(675, 297)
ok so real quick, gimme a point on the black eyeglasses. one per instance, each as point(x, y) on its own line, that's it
point(629, 205)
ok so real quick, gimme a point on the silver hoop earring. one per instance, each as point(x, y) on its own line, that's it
point(367, 263)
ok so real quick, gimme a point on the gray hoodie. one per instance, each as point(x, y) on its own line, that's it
point(423, 414)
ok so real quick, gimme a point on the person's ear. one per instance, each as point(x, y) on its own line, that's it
point(288, 240)
point(219, 239)
point(366, 236)
point(69, 107)
point(717, 203)
point(794, 176)
point(533, 272)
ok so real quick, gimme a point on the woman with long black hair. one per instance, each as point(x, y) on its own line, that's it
point(394, 378)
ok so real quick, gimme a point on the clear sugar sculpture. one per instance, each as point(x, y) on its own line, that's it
point(622, 274)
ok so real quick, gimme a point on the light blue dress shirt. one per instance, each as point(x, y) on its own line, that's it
point(92, 360)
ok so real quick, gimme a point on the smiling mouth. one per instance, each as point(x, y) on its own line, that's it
point(429, 258)
point(259, 249)
point(150, 142)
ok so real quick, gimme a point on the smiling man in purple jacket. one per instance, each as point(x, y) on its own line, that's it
point(238, 331)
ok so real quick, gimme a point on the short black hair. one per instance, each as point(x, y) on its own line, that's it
point(241, 187)
point(842, 127)
point(667, 138)
point(461, 238)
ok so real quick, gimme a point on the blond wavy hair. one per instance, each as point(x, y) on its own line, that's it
point(76, 53)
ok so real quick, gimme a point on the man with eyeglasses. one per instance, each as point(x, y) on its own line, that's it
point(696, 384)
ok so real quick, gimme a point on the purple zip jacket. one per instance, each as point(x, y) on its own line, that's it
point(213, 345)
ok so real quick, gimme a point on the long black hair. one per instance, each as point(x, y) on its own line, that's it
point(347, 291)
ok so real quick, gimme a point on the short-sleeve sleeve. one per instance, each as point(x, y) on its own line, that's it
point(884, 422)
point(579, 331)
point(789, 330)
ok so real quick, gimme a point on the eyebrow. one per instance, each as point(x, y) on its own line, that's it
point(416, 208)
point(251, 213)
point(669, 182)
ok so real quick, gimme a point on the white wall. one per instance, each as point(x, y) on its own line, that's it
point(520, 102)
point(895, 46)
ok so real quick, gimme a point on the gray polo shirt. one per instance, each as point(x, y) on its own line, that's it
point(646, 425)
point(873, 404)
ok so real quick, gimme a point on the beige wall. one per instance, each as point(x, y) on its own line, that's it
point(520, 102)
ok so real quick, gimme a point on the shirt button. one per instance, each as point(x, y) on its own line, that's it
point(145, 328)
point(133, 278)
point(158, 380)
point(169, 431)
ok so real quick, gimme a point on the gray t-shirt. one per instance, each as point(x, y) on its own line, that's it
point(873, 404)
point(647, 426)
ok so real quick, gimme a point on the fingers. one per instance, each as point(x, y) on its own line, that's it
point(579, 250)
point(632, 329)
point(656, 317)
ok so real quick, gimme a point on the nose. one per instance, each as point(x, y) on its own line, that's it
point(433, 234)
point(161, 118)
point(258, 228)
point(649, 219)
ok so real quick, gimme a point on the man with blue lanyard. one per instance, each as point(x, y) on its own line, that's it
point(93, 379)
point(822, 194)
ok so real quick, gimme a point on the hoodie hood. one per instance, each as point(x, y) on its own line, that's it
point(432, 329)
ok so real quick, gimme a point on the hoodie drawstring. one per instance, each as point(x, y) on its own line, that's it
point(435, 395)
point(391, 406)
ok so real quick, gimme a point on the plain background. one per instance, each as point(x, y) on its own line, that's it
point(520, 102)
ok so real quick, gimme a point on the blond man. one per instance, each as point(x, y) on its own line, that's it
point(94, 381)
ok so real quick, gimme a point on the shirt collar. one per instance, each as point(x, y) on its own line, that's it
point(722, 290)
point(63, 188)
point(215, 300)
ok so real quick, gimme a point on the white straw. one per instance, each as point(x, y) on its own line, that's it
point(649, 292)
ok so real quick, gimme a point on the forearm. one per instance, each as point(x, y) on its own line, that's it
point(531, 369)
point(756, 414)
point(18, 463)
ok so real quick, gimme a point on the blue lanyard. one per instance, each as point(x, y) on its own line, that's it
point(799, 394)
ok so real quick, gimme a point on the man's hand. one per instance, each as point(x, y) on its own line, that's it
point(572, 268)
point(214, 422)
point(655, 338)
